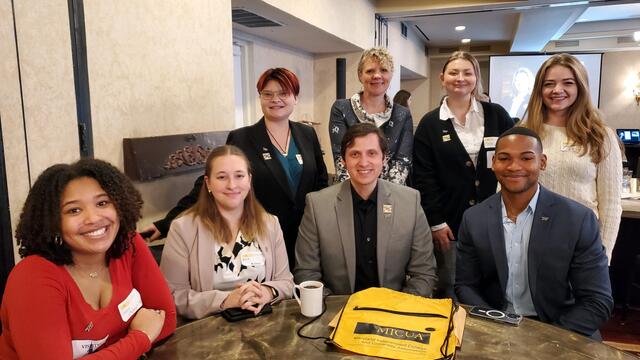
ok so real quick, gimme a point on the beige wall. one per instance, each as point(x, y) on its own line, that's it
point(48, 97)
point(419, 89)
point(158, 70)
point(617, 103)
point(352, 20)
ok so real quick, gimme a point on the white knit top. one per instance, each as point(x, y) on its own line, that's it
point(596, 186)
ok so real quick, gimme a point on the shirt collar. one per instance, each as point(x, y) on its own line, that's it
point(531, 208)
point(446, 113)
point(358, 200)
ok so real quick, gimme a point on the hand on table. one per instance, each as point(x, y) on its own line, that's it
point(249, 296)
point(155, 233)
point(149, 321)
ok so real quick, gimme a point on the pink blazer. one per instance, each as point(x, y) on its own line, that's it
point(187, 264)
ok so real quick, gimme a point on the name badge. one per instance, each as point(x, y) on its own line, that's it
point(130, 305)
point(252, 258)
point(85, 347)
point(299, 158)
point(490, 158)
point(568, 145)
point(490, 142)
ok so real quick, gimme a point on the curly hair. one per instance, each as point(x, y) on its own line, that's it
point(378, 54)
point(40, 220)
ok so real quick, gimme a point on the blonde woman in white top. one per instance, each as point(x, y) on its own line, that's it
point(584, 160)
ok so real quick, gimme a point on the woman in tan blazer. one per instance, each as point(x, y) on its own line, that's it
point(226, 251)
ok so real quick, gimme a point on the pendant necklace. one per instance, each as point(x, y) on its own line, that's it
point(284, 150)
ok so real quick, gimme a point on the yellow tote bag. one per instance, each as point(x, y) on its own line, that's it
point(391, 324)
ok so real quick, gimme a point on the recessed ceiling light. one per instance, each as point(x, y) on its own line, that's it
point(464, 41)
point(460, 28)
point(636, 36)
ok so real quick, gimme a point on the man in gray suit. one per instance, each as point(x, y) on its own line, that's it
point(530, 251)
point(365, 232)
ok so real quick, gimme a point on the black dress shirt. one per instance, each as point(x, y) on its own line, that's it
point(365, 223)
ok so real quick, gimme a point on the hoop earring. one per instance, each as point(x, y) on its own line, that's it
point(57, 240)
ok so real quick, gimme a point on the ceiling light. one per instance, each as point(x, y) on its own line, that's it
point(465, 41)
point(460, 28)
point(636, 36)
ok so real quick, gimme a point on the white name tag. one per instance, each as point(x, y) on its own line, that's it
point(252, 258)
point(130, 305)
point(490, 158)
point(85, 347)
point(490, 142)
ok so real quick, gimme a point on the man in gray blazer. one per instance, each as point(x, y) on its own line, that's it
point(365, 232)
point(530, 251)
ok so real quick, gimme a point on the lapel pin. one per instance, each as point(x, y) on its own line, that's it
point(299, 158)
point(387, 209)
point(544, 218)
point(266, 156)
point(446, 138)
point(89, 327)
point(265, 149)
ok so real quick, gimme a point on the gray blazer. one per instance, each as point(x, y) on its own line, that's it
point(568, 274)
point(187, 264)
point(326, 249)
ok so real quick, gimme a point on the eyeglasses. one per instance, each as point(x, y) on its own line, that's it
point(269, 95)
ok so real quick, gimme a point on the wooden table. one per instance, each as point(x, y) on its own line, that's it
point(274, 337)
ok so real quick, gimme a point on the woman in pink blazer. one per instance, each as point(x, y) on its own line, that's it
point(226, 251)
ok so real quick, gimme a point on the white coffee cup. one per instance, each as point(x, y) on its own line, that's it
point(310, 299)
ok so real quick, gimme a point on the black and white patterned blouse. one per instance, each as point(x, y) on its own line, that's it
point(237, 263)
point(395, 122)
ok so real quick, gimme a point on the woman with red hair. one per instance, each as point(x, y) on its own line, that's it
point(285, 157)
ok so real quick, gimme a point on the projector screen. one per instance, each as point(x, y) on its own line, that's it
point(511, 79)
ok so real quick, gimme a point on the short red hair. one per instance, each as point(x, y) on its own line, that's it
point(285, 77)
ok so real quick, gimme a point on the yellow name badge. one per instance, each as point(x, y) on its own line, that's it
point(446, 138)
point(252, 258)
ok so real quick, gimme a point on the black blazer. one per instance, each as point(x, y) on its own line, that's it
point(443, 171)
point(568, 273)
point(269, 179)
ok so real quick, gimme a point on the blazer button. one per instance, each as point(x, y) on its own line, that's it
point(472, 202)
point(477, 183)
point(469, 163)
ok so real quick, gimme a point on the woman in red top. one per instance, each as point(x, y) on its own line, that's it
point(88, 285)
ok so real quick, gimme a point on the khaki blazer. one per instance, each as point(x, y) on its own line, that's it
point(326, 249)
point(188, 260)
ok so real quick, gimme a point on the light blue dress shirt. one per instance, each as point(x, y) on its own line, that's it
point(516, 241)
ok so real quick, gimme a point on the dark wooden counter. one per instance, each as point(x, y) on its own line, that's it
point(274, 337)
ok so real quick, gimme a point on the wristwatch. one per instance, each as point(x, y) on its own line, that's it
point(274, 292)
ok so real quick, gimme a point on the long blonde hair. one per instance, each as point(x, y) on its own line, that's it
point(253, 219)
point(478, 91)
point(584, 123)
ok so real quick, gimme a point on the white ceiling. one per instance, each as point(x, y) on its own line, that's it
point(524, 26)
point(528, 26)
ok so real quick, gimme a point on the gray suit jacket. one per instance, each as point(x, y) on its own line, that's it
point(568, 273)
point(326, 249)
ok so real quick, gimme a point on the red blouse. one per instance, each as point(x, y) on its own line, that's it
point(45, 316)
